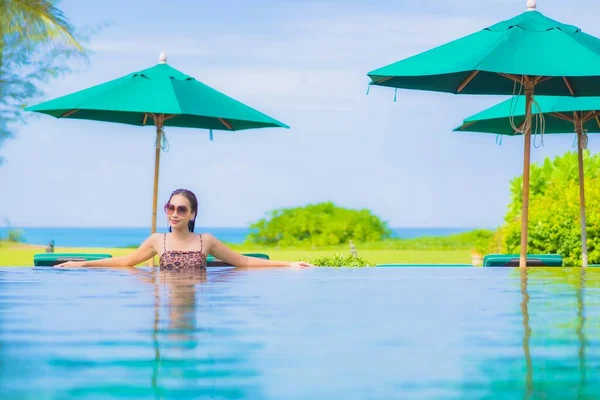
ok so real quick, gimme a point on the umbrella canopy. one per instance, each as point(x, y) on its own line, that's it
point(561, 115)
point(529, 53)
point(562, 58)
point(160, 90)
point(160, 96)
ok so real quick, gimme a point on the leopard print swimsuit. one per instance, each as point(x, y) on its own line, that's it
point(174, 260)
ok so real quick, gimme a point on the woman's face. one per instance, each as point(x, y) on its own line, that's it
point(179, 212)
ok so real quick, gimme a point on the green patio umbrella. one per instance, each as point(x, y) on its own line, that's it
point(530, 52)
point(561, 115)
point(161, 96)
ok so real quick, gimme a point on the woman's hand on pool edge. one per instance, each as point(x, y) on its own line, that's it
point(71, 264)
point(301, 264)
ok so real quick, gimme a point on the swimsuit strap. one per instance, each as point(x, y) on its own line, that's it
point(201, 242)
point(165, 242)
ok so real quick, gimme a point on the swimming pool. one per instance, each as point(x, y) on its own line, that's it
point(323, 333)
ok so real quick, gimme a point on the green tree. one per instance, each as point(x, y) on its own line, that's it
point(554, 223)
point(36, 40)
point(562, 169)
point(322, 224)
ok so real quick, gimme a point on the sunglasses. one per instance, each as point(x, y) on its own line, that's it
point(170, 209)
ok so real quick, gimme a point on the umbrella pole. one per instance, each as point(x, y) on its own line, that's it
point(159, 125)
point(526, 162)
point(584, 255)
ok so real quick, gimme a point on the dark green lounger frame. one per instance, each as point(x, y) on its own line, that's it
point(423, 265)
point(51, 259)
point(215, 262)
point(533, 260)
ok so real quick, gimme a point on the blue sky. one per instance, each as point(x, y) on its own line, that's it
point(303, 63)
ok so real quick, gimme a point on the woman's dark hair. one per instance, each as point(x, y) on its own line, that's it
point(193, 204)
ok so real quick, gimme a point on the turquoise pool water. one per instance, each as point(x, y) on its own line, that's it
point(377, 333)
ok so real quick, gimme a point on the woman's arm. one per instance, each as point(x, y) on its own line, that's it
point(224, 253)
point(143, 253)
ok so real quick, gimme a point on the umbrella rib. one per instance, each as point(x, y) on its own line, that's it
point(566, 80)
point(161, 117)
point(68, 113)
point(383, 80)
point(538, 79)
point(591, 115)
point(225, 123)
point(598, 122)
point(466, 125)
point(467, 81)
point(562, 116)
point(510, 76)
point(543, 79)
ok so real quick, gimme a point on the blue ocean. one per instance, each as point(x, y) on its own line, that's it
point(126, 237)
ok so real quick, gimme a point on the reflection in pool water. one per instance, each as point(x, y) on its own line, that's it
point(374, 333)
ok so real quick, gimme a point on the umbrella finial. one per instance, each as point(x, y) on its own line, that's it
point(531, 6)
point(162, 59)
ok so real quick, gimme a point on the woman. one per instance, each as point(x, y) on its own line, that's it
point(181, 248)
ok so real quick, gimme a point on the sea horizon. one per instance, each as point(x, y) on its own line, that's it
point(133, 236)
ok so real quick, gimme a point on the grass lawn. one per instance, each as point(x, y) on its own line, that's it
point(22, 254)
